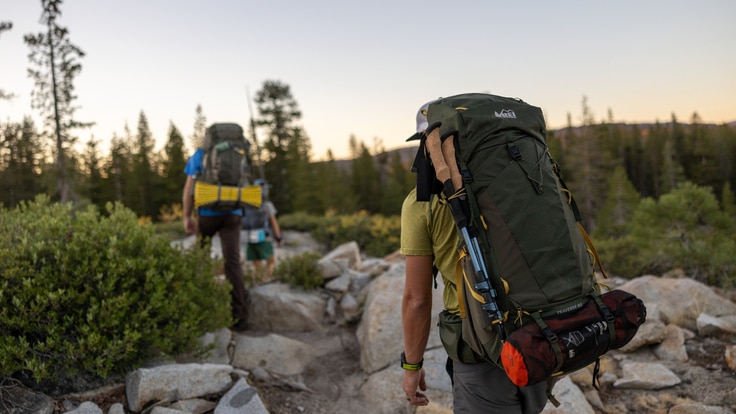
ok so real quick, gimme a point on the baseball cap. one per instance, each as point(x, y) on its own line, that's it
point(422, 122)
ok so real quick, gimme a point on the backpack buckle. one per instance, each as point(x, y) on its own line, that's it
point(514, 152)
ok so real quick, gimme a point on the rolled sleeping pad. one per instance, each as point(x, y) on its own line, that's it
point(206, 194)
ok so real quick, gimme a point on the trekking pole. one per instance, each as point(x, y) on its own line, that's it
point(452, 180)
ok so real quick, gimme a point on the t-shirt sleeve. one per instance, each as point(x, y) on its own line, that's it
point(194, 164)
point(269, 208)
point(415, 237)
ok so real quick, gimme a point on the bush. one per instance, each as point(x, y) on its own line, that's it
point(683, 229)
point(300, 271)
point(86, 294)
point(377, 235)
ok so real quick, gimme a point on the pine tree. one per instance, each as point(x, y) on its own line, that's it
point(587, 166)
point(200, 127)
point(634, 159)
point(21, 163)
point(335, 186)
point(279, 111)
point(144, 175)
point(93, 184)
point(399, 182)
point(672, 173)
point(365, 181)
point(619, 205)
point(702, 167)
point(118, 168)
point(300, 175)
point(173, 167)
point(54, 65)
point(728, 205)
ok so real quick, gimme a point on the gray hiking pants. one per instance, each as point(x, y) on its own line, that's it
point(485, 388)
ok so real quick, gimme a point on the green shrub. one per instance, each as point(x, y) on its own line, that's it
point(683, 229)
point(170, 230)
point(300, 271)
point(620, 256)
point(376, 235)
point(82, 293)
point(300, 221)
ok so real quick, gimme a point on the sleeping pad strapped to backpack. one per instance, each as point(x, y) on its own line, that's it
point(525, 257)
point(225, 181)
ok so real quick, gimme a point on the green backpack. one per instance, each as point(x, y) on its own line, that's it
point(522, 250)
point(225, 180)
point(527, 289)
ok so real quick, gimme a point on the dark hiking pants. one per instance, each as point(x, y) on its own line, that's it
point(228, 227)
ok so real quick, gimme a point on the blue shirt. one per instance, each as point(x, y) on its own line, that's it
point(193, 169)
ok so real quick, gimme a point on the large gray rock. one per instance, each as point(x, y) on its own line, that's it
point(380, 330)
point(217, 342)
point(646, 376)
point(710, 325)
point(194, 405)
point(118, 408)
point(383, 390)
point(680, 301)
point(349, 251)
point(86, 407)
point(166, 410)
point(175, 382)
point(21, 400)
point(651, 332)
point(241, 398)
point(274, 353)
point(276, 307)
point(673, 346)
point(571, 399)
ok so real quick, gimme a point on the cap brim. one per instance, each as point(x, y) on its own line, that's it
point(414, 137)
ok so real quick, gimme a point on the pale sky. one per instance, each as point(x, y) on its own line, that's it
point(363, 68)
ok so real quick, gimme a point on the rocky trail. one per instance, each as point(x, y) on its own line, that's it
point(332, 355)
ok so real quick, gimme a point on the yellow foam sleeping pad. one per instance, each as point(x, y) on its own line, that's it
point(208, 194)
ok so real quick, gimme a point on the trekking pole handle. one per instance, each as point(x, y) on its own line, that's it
point(448, 151)
point(435, 154)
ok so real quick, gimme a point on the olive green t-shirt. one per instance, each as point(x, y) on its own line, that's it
point(428, 229)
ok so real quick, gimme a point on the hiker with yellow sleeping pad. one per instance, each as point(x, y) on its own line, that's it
point(218, 186)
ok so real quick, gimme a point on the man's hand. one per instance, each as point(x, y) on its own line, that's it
point(190, 225)
point(413, 382)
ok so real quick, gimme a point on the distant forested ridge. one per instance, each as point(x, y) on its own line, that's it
point(654, 158)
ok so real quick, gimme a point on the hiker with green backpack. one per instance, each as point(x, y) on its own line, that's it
point(491, 213)
point(429, 241)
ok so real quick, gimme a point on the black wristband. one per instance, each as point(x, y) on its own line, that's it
point(410, 367)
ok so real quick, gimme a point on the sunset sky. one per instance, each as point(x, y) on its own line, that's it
point(363, 68)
